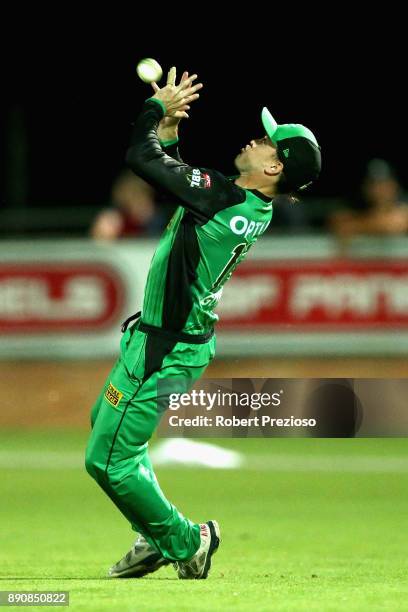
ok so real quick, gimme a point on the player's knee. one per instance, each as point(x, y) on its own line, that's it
point(118, 470)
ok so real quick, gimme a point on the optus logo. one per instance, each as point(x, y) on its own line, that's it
point(242, 226)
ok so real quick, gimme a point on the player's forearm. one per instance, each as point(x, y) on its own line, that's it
point(147, 149)
point(168, 135)
point(145, 144)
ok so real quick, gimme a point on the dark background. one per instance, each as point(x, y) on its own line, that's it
point(72, 93)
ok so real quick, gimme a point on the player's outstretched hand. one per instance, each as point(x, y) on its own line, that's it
point(177, 98)
point(169, 123)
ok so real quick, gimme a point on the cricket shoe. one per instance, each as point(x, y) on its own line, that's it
point(142, 559)
point(198, 566)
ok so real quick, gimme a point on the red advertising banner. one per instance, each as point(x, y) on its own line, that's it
point(63, 297)
point(326, 295)
point(314, 295)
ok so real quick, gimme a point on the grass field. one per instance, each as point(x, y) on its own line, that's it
point(306, 525)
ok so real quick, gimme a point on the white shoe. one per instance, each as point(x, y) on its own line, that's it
point(199, 565)
point(142, 559)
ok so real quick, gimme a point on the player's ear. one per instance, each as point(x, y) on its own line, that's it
point(274, 169)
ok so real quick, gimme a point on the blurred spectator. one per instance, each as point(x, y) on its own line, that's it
point(133, 212)
point(385, 209)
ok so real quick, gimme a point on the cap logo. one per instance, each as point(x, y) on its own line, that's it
point(286, 152)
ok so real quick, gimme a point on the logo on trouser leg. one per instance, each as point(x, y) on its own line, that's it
point(113, 395)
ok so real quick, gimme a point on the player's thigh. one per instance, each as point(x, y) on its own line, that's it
point(99, 401)
point(136, 394)
point(121, 381)
point(119, 391)
point(142, 414)
point(181, 369)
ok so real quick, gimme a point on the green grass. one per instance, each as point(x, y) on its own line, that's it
point(292, 540)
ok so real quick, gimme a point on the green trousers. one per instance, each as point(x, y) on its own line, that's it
point(124, 418)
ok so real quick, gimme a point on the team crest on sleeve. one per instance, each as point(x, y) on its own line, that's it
point(113, 395)
point(196, 178)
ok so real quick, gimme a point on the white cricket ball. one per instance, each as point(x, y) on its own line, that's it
point(149, 70)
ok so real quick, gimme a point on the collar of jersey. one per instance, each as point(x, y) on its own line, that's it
point(260, 195)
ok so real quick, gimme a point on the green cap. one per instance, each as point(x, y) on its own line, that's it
point(287, 130)
point(297, 149)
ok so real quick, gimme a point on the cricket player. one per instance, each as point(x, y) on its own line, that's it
point(219, 219)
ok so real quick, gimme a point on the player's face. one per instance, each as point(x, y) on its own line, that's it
point(259, 153)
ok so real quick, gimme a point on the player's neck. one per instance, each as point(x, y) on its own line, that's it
point(255, 181)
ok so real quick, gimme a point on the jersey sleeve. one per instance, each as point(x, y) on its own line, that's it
point(172, 150)
point(202, 191)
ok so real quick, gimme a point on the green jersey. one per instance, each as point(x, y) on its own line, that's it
point(208, 236)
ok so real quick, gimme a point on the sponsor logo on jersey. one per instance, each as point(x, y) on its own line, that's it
point(113, 395)
point(242, 226)
point(200, 179)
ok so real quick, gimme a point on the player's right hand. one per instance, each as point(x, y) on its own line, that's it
point(177, 98)
point(169, 122)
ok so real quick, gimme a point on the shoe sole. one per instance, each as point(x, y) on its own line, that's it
point(215, 542)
